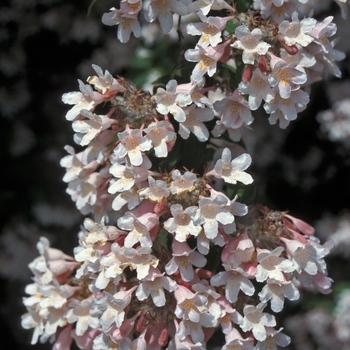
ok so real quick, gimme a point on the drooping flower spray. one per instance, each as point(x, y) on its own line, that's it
point(172, 254)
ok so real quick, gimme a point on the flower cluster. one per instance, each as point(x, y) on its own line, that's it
point(173, 255)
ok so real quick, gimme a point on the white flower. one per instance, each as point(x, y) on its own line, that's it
point(132, 143)
point(182, 183)
point(79, 312)
point(72, 163)
point(104, 82)
point(295, 32)
point(285, 76)
point(162, 135)
point(156, 191)
point(210, 30)
point(232, 170)
point(87, 129)
point(195, 118)
point(272, 266)
point(112, 307)
point(234, 113)
point(138, 232)
point(125, 177)
point(256, 321)
point(273, 339)
point(234, 281)
point(183, 260)
point(276, 291)
point(181, 223)
point(86, 98)
point(154, 284)
point(257, 89)
point(128, 23)
point(212, 212)
point(163, 10)
point(285, 110)
point(169, 101)
point(207, 58)
point(249, 42)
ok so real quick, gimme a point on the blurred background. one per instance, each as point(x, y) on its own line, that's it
point(46, 45)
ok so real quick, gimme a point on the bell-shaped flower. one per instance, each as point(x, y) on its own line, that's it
point(285, 76)
point(153, 285)
point(250, 43)
point(207, 58)
point(296, 32)
point(163, 10)
point(181, 222)
point(128, 23)
point(256, 320)
point(86, 98)
point(195, 118)
point(276, 291)
point(212, 212)
point(132, 143)
point(232, 170)
point(183, 260)
point(273, 266)
point(163, 137)
point(257, 89)
point(170, 101)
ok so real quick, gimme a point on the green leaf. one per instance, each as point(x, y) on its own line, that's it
point(231, 26)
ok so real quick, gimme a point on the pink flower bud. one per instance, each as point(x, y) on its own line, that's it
point(262, 64)
point(163, 339)
point(247, 73)
point(292, 50)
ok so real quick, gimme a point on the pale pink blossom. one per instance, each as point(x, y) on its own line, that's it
point(234, 281)
point(182, 183)
point(250, 43)
point(156, 191)
point(195, 118)
point(141, 260)
point(209, 29)
point(274, 339)
point(207, 58)
point(154, 284)
point(162, 135)
point(104, 82)
point(286, 110)
point(285, 76)
point(234, 113)
point(212, 212)
point(296, 32)
point(163, 10)
point(182, 222)
point(86, 98)
point(72, 163)
point(89, 128)
point(232, 171)
point(132, 143)
point(79, 313)
point(257, 89)
point(139, 233)
point(128, 23)
point(235, 341)
point(112, 307)
point(256, 320)
point(272, 266)
point(125, 177)
point(183, 260)
point(276, 291)
point(169, 101)
point(189, 304)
